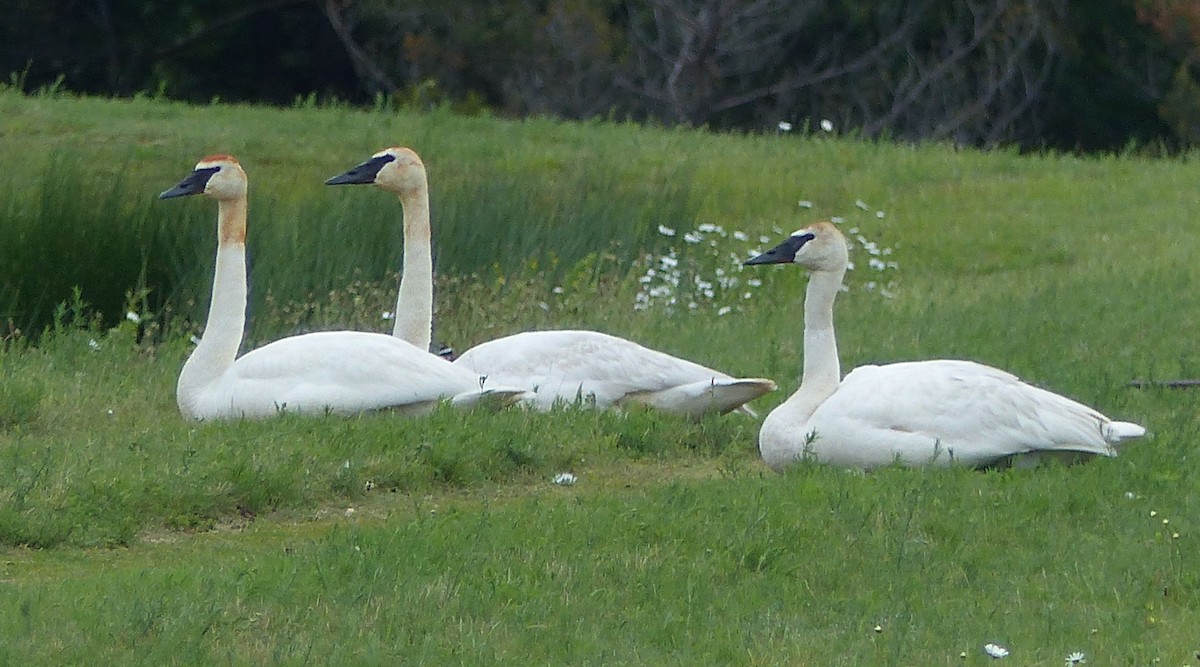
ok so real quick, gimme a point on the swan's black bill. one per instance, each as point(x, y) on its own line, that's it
point(784, 253)
point(194, 184)
point(363, 174)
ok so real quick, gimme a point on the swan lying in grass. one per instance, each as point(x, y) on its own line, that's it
point(328, 372)
point(915, 413)
point(558, 366)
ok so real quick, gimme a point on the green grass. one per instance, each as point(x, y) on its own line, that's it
point(133, 537)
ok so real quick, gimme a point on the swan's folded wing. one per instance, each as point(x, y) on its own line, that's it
point(573, 357)
point(601, 370)
point(341, 372)
point(973, 413)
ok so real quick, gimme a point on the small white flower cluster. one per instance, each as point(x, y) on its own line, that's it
point(565, 479)
point(703, 274)
point(705, 271)
point(995, 651)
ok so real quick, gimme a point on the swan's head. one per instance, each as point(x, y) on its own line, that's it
point(819, 247)
point(218, 176)
point(394, 169)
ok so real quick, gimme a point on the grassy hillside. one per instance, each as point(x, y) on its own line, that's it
point(130, 534)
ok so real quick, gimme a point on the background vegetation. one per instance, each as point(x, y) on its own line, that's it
point(1096, 75)
point(132, 536)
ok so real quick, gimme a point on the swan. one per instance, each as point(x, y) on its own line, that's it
point(557, 365)
point(916, 413)
point(340, 372)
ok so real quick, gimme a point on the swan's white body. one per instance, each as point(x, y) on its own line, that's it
point(329, 372)
point(557, 366)
point(939, 412)
point(606, 371)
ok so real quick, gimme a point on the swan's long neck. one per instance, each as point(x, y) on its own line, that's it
point(822, 372)
point(226, 312)
point(414, 303)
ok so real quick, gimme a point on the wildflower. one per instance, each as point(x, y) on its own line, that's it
point(93, 345)
point(741, 236)
point(666, 231)
point(754, 282)
point(350, 512)
point(878, 628)
point(133, 317)
point(1076, 658)
point(804, 203)
point(785, 126)
point(565, 479)
point(861, 204)
point(724, 310)
point(369, 485)
point(827, 125)
point(693, 237)
point(558, 290)
point(668, 261)
point(195, 340)
point(879, 214)
point(1152, 512)
point(387, 315)
point(995, 650)
point(837, 219)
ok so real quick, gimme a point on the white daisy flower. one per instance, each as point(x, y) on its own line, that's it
point(861, 204)
point(387, 315)
point(827, 125)
point(804, 203)
point(665, 230)
point(1076, 658)
point(995, 650)
point(133, 317)
point(785, 126)
point(93, 345)
point(565, 479)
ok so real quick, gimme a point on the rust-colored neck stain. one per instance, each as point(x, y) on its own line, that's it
point(231, 228)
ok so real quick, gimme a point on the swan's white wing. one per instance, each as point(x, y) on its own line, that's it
point(587, 365)
point(337, 371)
point(948, 411)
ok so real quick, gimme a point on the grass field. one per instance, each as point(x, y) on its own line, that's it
point(129, 536)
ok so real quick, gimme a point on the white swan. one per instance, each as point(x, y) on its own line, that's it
point(328, 372)
point(915, 413)
point(558, 366)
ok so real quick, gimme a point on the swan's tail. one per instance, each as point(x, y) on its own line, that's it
point(492, 398)
point(699, 398)
point(1117, 432)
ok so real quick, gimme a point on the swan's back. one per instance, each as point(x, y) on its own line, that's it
point(570, 364)
point(337, 371)
point(942, 412)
